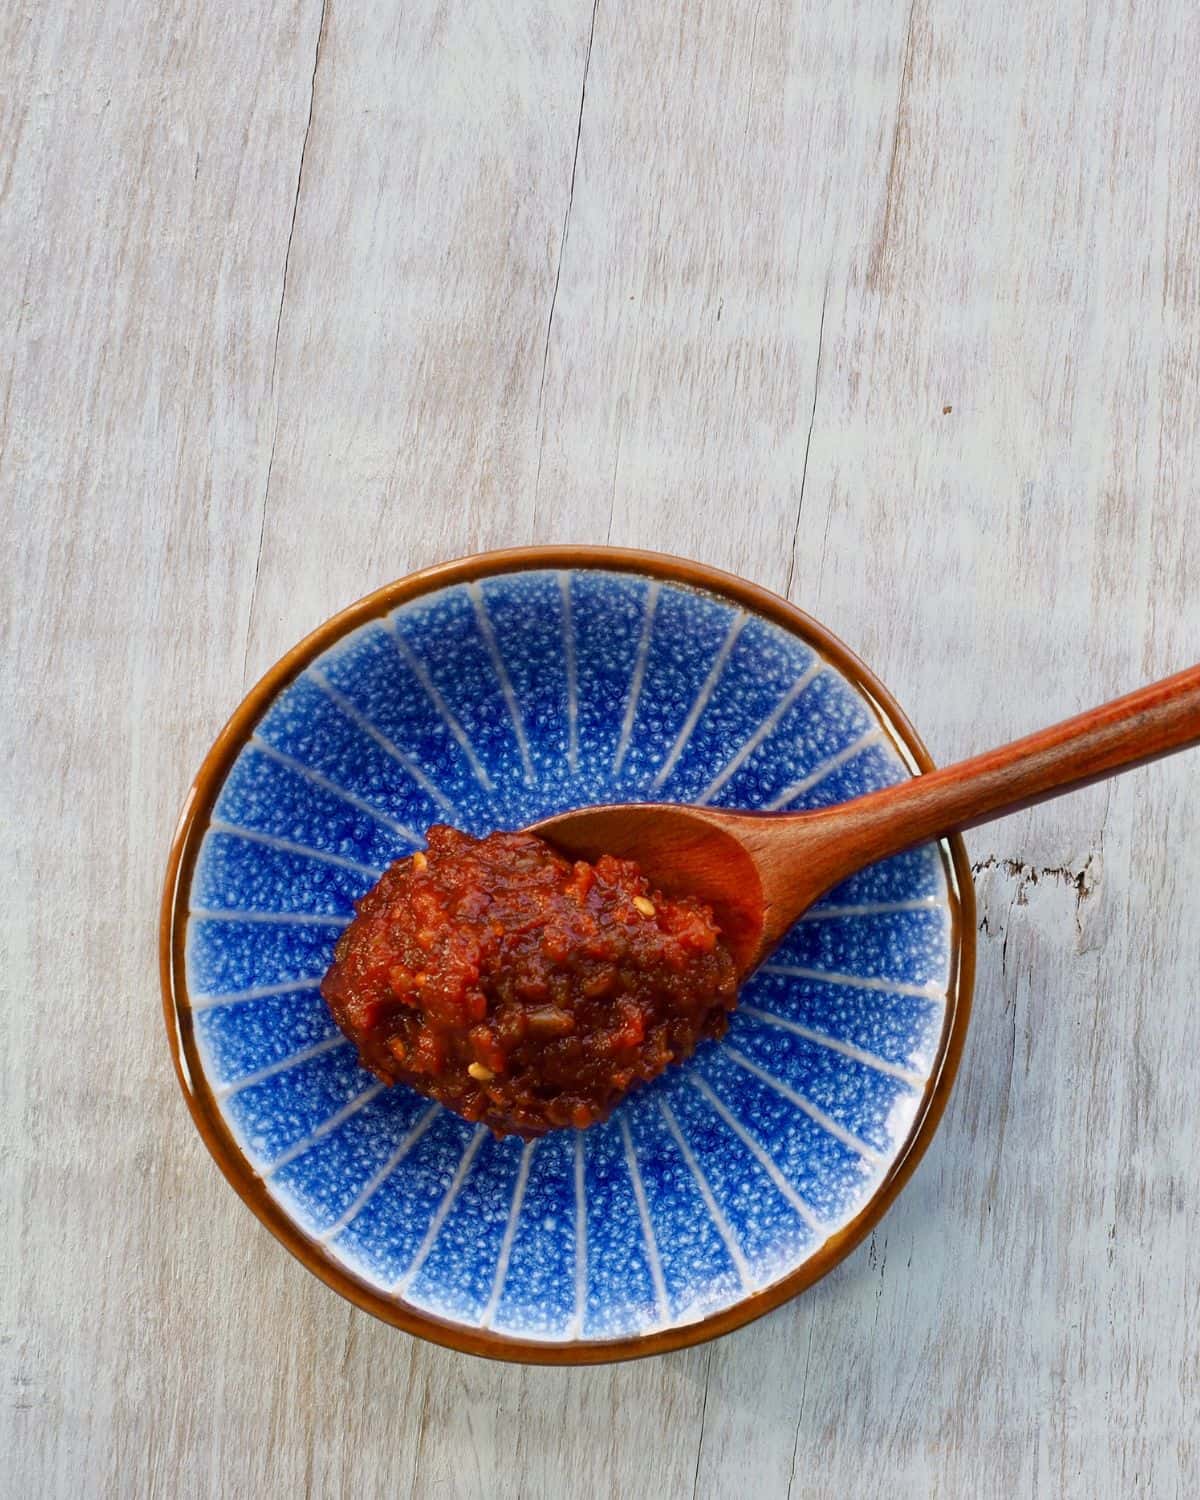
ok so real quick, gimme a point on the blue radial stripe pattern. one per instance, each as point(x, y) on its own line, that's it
point(490, 706)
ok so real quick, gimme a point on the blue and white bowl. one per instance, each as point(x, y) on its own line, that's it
point(489, 694)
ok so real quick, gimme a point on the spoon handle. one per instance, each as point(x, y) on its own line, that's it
point(1153, 721)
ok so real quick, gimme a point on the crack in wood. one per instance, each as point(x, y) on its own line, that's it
point(287, 260)
point(1029, 877)
point(812, 417)
point(800, 1411)
point(1084, 880)
point(562, 248)
point(703, 1414)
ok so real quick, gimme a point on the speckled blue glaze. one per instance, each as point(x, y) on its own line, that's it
point(491, 706)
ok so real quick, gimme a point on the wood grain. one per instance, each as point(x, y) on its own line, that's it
point(893, 305)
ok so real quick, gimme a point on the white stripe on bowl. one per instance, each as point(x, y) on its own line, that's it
point(339, 1117)
point(639, 1193)
point(377, 1180)
point(928, 991)
point(564, 588)
point(284, 1065)
point(439, 1218)
point(638, 674)
point(761, 734)
point(421, 672)
point(714, 1208)
point(510, 1233)
point(581, 1283)
point(870, 909)
point(289, 846)
point(257, 992)
point(275, 918)
point(826, 768)
point(703, 698)
point(834, 1044)
point(372, 730)
point(760, 1154)
point(868, 1153)
point(318, 778)
point(484, 621)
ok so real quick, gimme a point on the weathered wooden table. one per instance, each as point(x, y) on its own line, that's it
point(893, 307)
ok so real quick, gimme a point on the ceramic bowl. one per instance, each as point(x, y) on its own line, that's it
point(490, 693)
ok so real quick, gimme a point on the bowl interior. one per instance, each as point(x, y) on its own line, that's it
point(490, 705)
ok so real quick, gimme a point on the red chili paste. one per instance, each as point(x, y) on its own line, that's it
point(521, 989)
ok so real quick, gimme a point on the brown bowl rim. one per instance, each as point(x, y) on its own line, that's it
point(193, 823)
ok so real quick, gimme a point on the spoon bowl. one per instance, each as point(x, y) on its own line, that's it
point(682, 851)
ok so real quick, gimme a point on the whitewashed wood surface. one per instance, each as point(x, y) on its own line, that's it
point(891, 305)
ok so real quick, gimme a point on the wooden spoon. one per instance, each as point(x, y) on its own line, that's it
point(760, 871)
